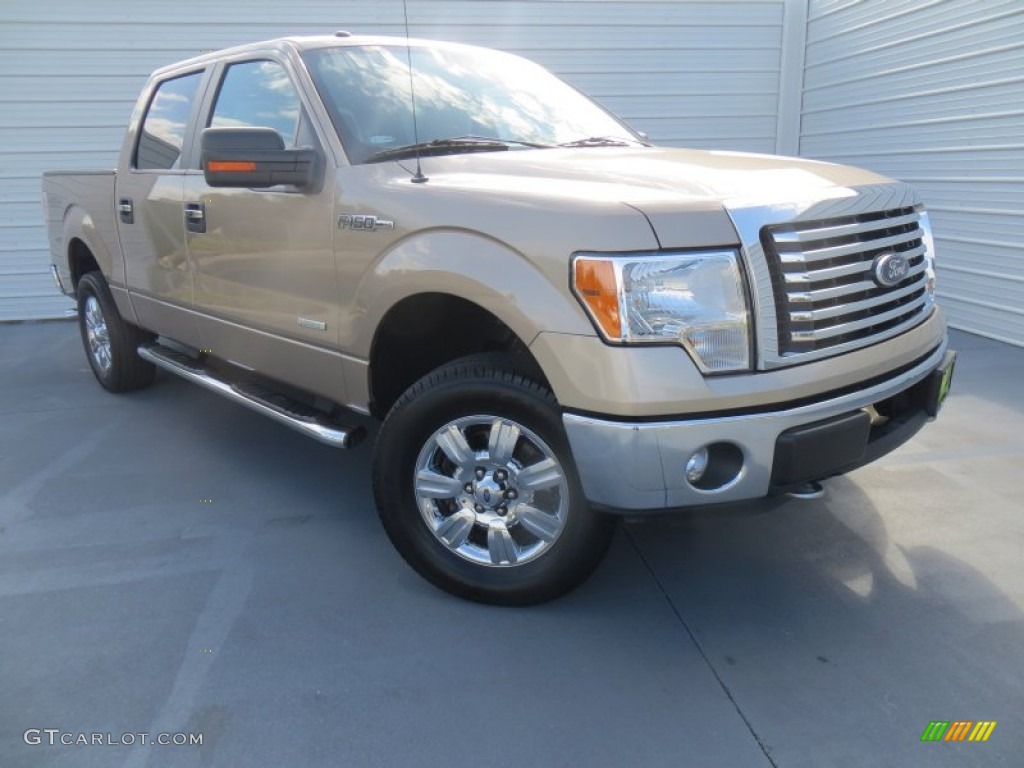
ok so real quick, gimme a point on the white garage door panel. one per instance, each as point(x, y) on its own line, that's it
point(1003, 128)
point(137, 37)
point(71, 139)
point(1001, 269)
point(836, 16)
point(933, 92)
point(22, 261)
point(16, 284)
point(982, 258)
point(996, 322)
point(904, 163)
point(688, 65)
point(15, 189)
point(83, 66)
point(31, 306)
point(975, 224)
point(97, 64)
point(18, 212)
point(23, 241)
point(704, 74)
point(663, 38)
point(342, 15)
point(1002, 62)
point(24, 89)
point(983, 193)
point(757, 146)
point(66, 113)
point(920, 29)
point(685, 81)
point(727, 128)
point(24, 163)
point(758, 105)
point(965, 102)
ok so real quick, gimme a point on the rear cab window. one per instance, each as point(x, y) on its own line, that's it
point(163, 129)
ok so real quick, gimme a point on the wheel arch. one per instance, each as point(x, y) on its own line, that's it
point(415, 337)
point(448, 293)
point(80, 260)
point(86, 250)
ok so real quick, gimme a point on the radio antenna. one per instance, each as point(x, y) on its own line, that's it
point(418, 178)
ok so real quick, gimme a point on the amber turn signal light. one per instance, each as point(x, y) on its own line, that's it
point(224, 166)
point(596, 286)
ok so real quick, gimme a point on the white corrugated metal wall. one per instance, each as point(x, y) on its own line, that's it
point(932, 92)
point(688, 73)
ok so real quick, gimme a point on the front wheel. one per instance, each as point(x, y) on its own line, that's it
point(477, 489)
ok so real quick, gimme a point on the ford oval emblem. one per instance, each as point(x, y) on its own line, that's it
point(891, 269)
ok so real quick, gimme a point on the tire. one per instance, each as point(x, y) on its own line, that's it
point(477, 489)
point(110, 342)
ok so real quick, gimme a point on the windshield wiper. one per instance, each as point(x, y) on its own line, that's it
point(602, 141)
point(447, 146)
point(511, 142)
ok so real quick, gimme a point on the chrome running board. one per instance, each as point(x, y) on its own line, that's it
point(261, 399)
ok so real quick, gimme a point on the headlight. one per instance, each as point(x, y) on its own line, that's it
point(691, 298)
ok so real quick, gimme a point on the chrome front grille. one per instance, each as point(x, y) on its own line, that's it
point(825, 291)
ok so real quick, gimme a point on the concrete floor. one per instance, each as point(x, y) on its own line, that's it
point(277, 621)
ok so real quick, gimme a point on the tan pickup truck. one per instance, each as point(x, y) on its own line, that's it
point(555, 320)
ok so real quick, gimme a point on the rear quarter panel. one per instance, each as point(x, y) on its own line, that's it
point(80, 205)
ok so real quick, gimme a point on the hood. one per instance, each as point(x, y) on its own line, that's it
point(644, 175)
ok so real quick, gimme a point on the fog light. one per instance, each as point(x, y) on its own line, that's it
point(696, 466)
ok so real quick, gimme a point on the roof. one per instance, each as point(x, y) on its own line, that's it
point(305, 43)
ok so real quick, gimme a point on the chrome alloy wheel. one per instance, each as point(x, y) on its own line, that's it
point(97, 335)
point(491, 490)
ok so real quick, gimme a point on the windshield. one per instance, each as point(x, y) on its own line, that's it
point(460, 92)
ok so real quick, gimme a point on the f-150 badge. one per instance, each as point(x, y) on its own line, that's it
point(362, 223)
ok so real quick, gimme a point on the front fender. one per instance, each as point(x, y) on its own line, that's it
point(473, 267)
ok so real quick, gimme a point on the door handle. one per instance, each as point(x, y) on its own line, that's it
point(195, 217)
point(126, 210)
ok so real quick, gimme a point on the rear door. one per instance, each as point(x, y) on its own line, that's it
point(148, 203)
point(265, 285)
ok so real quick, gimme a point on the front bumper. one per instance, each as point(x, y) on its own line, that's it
point(640, 466)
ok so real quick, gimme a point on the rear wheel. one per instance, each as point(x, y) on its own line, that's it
point(477, 489)
point(110, 342)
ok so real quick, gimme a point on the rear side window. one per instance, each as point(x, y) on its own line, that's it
point(258, 94)
point(163, 129)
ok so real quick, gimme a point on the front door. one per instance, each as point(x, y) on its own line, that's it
point(265, 287)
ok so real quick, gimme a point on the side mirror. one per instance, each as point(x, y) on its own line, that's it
point(254, 158)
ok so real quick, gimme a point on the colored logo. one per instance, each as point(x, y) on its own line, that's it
point(958, 730)
point(947, 379)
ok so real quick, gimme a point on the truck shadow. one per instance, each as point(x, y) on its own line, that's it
point(813, 614)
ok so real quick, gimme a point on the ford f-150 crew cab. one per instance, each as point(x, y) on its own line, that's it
point(555, 320)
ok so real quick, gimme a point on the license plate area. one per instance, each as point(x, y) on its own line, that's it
point(939, 383)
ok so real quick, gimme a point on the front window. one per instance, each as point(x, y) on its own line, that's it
point(258, 94)
point(460, 92)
